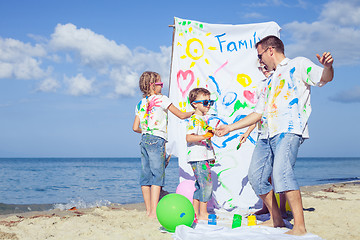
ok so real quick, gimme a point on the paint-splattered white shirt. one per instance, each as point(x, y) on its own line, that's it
point(285, 101)
point(153, 114)
point(201, 150)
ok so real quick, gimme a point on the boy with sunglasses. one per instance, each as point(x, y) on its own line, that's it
point(200, 150)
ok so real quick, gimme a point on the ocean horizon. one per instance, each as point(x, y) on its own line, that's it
point(88, 182)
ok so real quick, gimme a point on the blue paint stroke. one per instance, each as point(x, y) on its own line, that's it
point(224, 143)
point(216, 84)
point(292, 73)
point(229, 98)
point(295, 100)
point(182, 214)
point(239, 117)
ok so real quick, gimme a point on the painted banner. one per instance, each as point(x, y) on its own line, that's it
point(223, 59)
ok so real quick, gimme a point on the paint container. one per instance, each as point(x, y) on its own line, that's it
point(212, 219)
point(251, 220)
point(236, 221)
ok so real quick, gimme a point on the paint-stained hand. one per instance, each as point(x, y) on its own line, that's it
point(222, 130)
point(208, 135)
point(326, 59)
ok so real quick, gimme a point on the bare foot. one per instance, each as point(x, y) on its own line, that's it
point(202, 217)
point(270, 223)
point(152, 215)
point(297, 232)
point(262, 211)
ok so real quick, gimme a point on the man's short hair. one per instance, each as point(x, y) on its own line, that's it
point(271, 41)
point(194, 93)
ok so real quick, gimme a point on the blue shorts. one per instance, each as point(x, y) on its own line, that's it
point(276, 156)
point(152, 160)
point(203, 183)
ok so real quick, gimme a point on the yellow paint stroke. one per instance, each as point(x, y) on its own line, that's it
point(244, 79)
point(207, 61)
point(188, 49)
point(198, 82)
point(179, 44)
point(192, 64)
point(276, 94)
point(212, 48)
point(183, 57)
point(207, 34)
point(190, 29)
point(182, 106)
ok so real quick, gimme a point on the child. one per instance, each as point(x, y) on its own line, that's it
point(200, 151)
point(151, 114)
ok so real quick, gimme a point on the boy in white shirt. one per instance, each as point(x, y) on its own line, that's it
point(200, 150)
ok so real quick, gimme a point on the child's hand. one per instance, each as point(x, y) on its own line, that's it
point(243, 138)
point(208, 135)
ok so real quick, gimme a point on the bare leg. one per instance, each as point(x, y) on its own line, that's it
point(295, 202)
point(263, 210)
point(146, 195)
point(155, 194)
point(271, 204)
point(203, 214)
point(282, 199)
point(196, 204)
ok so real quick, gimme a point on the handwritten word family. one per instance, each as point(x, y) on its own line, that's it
point(231, 46)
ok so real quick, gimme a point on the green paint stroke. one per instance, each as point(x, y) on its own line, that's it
point(219, 179)
point(307, 72)
point(204, 167)
point(239, 105)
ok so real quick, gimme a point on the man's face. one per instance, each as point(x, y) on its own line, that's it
point(264, 56)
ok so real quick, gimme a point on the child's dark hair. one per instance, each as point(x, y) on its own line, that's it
point(194, 93)
point(146, 80)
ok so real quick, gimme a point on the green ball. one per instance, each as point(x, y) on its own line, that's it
point(174, 210)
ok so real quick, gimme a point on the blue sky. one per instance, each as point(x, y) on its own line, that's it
point(69, 69)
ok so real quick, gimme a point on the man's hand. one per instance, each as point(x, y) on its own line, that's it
point(222, 130)
point(326, 59)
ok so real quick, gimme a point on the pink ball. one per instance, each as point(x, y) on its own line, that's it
point(187, 189)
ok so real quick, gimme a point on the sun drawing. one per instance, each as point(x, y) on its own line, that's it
point(195, 49)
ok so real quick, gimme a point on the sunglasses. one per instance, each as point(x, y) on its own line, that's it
point(161, 84)
point(205, 102)
point(260, 55)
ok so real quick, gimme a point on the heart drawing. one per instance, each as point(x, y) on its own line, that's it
point(184, 76)
point(250, 96)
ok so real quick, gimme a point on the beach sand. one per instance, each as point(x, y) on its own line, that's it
point(331, 212)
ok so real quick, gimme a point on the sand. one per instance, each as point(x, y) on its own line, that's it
point(331, 212)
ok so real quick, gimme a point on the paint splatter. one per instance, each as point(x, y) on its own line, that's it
point(239, 105)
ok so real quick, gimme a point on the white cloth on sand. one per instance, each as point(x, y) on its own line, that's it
point(209, 232)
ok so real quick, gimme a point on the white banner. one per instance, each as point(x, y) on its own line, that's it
point(222, 59)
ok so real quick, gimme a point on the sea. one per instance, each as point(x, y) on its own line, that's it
point(29, 184)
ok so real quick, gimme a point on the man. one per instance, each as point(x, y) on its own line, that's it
point(283, 109)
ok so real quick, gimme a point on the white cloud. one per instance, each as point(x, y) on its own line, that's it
point(126, 81)
point(71, 49)
point(79, 85)
point(253, 15)
point(49, 85)
point(349, 96)
point(93, 49)
point(337, 30)
point(20, 60)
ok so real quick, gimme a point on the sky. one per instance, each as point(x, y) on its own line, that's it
point(69, 70)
